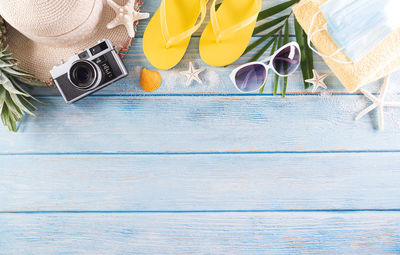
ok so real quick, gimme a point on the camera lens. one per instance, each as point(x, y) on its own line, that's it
point(83, 74)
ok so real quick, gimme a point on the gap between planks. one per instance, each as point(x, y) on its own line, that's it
point(202, 211)
point(196, 153)
point(291, 94)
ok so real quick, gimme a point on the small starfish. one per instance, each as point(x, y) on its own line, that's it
point(317, 81)
point(379, 103)
point(125, 15)
point(192, 74)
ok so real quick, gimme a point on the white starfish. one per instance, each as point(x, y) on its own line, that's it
point(125, 15)
point(192, 74)
point(317, 81)
point(379, 103)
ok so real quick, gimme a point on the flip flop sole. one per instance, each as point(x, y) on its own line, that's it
point(181, 16)
point(229, 49)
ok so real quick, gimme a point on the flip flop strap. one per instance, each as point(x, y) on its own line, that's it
point(220, 33)
point(171, 40)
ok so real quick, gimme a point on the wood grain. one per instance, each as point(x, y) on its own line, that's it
point(201, 169)
point(313, 181)
point(205, 233)
point(202, 124)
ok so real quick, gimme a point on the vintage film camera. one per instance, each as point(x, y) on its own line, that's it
point(88, 71)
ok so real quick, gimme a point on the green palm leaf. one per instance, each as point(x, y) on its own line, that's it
point(15, 102)
point(272, 52)
point(276, 81)
point(269, 24)
point(261, 40)
point(285, 41)
point(275, 9)
point(278, 36)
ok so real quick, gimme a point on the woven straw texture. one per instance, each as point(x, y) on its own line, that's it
point(382, 60)
point(61, 31)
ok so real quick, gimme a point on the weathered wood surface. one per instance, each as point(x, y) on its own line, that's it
point(202, 124)
point(193, 182)
point(201, 233)
point(201, 169)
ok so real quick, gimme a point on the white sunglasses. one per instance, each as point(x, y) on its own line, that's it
point(252, 76)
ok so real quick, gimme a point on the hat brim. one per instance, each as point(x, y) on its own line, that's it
point(38, 59)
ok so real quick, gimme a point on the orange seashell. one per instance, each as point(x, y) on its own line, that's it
point(150, 80)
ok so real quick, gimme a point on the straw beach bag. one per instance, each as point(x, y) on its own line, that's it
point(379, 62)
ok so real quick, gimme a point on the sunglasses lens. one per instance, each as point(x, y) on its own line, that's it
point(287, 60)
point(251, 77)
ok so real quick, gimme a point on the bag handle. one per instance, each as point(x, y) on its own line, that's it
point(311, 35)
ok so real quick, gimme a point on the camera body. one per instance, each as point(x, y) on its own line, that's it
point(88, 71)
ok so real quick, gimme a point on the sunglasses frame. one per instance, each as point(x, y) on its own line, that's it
point(266, 66)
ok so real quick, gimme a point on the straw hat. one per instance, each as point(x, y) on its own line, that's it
point(41, 33)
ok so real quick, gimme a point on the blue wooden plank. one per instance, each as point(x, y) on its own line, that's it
point(322, 181)
point(211, 233)
point(135, 177)
point(207, 124)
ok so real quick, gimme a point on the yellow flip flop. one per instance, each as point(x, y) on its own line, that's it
point(227, 35)
point(168, 33)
